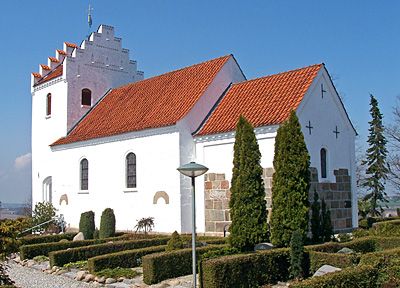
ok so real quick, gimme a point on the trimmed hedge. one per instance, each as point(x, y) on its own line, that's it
point(30, 251)
point(247, 270)
point(160, 266)
point(362, 245)
point(354, 277)
point(124, 259)
point(59, 258)
point(317, 259)
point(37, 239)
point(380, 257)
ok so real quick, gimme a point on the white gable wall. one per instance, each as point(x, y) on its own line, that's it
point(157, 157)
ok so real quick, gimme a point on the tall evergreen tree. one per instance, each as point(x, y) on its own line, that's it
point(247, 203)
point(316, 219)
point(377, 168)
point(290, 183)
point(326, 231)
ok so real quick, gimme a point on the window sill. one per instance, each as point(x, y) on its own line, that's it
point(130, 190)
point(83, 192)
point(86, 106)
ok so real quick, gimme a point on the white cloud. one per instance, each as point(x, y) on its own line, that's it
point(22, 161)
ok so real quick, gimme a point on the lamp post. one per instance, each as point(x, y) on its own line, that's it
point(193, 170)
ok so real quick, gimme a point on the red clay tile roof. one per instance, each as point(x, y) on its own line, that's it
point(52, 59)
point(36, 75)
point(72, 45)
point(58, 71)
point(61, 52)
point(263, 101)
point(45, 67)
point(155, 102)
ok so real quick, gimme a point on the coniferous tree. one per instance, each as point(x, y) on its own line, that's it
point(290, 183)
point(326, 223)
point(316, 219)
point(247, 203)
point(296, 254)
point(377, 168)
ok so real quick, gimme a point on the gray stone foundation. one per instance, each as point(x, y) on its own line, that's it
point(337, 196)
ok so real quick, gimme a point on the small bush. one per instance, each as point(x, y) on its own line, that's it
point(165, 265)
point(357, 277)
point(145, 224)
point(118, 272)
point(123, 259)
point(107, 224)
point(175, 242)
point(86, 224)
point(44, 211)
point(59, 258)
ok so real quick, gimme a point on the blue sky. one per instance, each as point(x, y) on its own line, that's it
point(359, 41)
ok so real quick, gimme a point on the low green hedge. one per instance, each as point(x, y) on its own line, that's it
point(247, 270)
point(317, 259)
point(37, 239)
point(378, 258)
point(362, 245)
point(354, 277)
point(160, 266)
point(33, 250)
point(124, 259)
point(30, 251)
point(59, 258)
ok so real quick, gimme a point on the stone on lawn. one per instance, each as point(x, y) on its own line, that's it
point(88, 278)
point(79, 237)
point(101, 279)
point(110, 280)
point(80, 275)
point(263, 246)
point(346, 250)
point(325, 269)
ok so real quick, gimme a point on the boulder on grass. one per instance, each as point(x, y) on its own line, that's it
point(325, 269)
point(79, 237)
point(263, 246)
point(345, 250)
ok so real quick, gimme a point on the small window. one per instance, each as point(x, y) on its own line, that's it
point(84, 174)
point(131, 170)
point(86, 97)
point(323, 163)
point(48, 104)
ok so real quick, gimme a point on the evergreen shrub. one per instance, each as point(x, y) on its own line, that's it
point(107, 224)
point(123, 259)
point(360, 277)
point(86, 224)
point(59, 258)
point(175, 242)
point(296, 255)
point(160, 266)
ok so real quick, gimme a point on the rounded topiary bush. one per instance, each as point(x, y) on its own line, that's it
point(175, 242)
point(86, 224)
point(107, 224)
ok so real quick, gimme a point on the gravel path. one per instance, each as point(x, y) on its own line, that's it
point(30, 278)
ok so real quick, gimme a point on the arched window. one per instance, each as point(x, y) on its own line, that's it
point(86, 97)
point(323, 163)
point(48, 104)
point(84, 174)
point(131, 170)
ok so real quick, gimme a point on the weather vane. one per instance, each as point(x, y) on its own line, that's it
point(90, 18)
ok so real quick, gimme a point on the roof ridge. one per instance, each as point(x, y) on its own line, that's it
point(280, 73)
point(174, 71)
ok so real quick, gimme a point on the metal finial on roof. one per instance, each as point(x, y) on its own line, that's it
point(90, 16)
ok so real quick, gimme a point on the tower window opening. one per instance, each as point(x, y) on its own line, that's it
point(48, 104)
point(86, 97)
point(323, 163)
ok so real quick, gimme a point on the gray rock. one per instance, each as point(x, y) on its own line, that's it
point(110, 281)
point(263, 246)
point(88, 278)
point(346, 250)
point(80, 275)
point(79, 237)
point(325, 269)
point(101, 279)
point(30, 263)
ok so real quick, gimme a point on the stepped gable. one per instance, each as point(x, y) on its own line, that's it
point(155, 102)
point(263, 101)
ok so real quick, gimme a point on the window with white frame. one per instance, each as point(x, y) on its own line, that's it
point(130, 170)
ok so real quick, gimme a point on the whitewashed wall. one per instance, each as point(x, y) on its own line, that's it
point(157, 157)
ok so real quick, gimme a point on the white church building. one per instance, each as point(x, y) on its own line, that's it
point(104, 137)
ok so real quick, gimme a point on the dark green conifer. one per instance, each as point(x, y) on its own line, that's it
point(86, 224)
point(107, 224)
point(247, 203)
point(377, 168)
point(316, 219)
point(290, 183)
point(326, 223)
point(296, 254)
